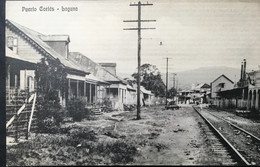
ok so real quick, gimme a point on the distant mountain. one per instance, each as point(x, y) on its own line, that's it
point(200, 75)
point(204, 75)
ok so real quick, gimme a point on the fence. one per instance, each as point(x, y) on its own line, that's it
point(230, 103)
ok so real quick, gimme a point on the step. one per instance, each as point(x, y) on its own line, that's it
point(98, 113)
point(13, 105)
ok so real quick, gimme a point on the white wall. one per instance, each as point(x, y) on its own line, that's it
point(215, 88)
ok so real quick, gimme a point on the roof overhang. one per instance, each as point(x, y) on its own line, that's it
point(75, 71)
point(92, 78)
point(9, 53)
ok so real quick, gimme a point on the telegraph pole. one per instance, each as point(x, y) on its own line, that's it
point(173, 82)
point(176, 84)
point(166, 80)
point(139, 48)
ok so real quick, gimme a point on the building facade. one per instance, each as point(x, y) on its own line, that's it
point(26, 47)
point(220, 84)
point(253, 102)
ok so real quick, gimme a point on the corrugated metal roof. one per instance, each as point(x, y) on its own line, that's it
point(107, 76)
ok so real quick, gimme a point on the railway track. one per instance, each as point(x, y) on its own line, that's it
point(233, 144)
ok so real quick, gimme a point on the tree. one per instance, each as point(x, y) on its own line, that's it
point(150, 79)
point(171, 93)
point(51, 79)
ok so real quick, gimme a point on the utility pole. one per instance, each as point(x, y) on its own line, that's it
point(139, 48)
point(166, 80)
point(173, 82)
point(177, 84)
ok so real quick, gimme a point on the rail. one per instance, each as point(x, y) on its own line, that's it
point(237, 127)
point(237, 156)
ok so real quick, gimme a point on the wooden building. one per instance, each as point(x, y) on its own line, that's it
point(220, 84)
point(113, 87)
point(29, 47)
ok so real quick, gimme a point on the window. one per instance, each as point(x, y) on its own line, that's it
point(12, 42)
point(222, 85)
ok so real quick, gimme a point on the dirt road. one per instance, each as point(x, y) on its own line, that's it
point(168, 137)
point(161, 137)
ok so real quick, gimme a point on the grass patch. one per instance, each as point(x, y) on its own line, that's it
point(78, 146)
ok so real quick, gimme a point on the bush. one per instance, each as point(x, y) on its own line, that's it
point(49, 115)
point(76, 109)
point(120, 151)
point(50, 125)
point(107, 102)
point(81, 135)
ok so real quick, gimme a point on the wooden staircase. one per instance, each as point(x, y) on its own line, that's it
point(96, 111)
point(19, 120)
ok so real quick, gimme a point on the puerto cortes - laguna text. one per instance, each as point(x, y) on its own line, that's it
point(49, 9)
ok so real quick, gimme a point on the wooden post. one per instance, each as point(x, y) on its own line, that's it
point(84, 88)
point(15, 81)
point(139, 62)
point(95, 93)
point(8, 83)
point(125, 96)
point(257, 100)
point(77, 93)
point(31, 116)
point(109, 92)
point(252, 100)
point(18, 113)
point(90, 99)
point(16, 126)
point(118, 94)
point(16, 129)
point(139, 49)
point(25, 80)
point(248, 100)
point(26, 113)
point(69, 90)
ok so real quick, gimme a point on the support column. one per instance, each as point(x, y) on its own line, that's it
point(69, 91)
point(248, 101)
point(118, 94)
point(249, 98)
point(125, 96)
point(84, 94)
point(256, 100)
point(96, 93)
point(90, 99)
point(109, 92)
point(77, 93)
point(15, 81)
point(252, 100)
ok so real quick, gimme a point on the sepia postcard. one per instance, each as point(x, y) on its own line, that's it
point(124, 82)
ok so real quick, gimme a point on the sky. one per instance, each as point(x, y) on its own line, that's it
point(194, 34)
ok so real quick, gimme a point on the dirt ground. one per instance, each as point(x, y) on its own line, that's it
point(170, 137)
point(161, 137)
point(252, 126)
